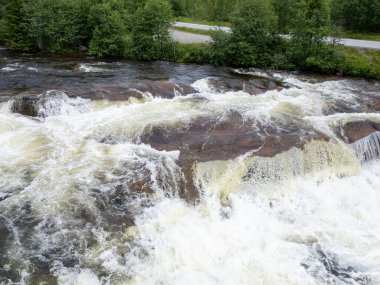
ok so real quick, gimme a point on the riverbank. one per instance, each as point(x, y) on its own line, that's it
point(356, 62)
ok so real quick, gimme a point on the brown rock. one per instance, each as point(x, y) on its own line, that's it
point(163, 89)
point(253, 86)
point(354, 131)
point(208, 139)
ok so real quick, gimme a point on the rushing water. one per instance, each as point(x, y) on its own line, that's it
point(86, 199)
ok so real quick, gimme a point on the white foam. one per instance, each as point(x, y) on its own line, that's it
point(8, 69)
point(33, 69)
point(262, 237)
point(84, 277)
point(368, 148)
point(259, 233)
point(86, 67)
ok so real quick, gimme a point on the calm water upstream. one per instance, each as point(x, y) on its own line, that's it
point(157, 173)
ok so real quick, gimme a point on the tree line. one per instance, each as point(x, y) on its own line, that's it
point(353, 15)
point(120, 28)
point(139, 29)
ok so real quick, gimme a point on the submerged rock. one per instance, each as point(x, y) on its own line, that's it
point(138, 90)
point(43, 105)
point(163, 89)
point(5, 234)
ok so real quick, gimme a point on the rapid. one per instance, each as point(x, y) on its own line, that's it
point(126, 173)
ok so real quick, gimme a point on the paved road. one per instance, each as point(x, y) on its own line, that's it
point(184, 37)
point(188, 38)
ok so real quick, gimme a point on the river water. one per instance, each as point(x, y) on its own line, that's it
point(159, 173)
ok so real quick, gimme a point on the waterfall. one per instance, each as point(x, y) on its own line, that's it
point(368, 148)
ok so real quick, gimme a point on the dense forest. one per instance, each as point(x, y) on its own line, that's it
point(123, 28)
point(354, 15)
point(139, 29)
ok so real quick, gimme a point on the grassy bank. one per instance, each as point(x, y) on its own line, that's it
point(361, 36)
point(361, 63)
point(352, 61)
point(202, 22)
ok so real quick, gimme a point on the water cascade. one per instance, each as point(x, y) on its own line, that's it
point(124, 173)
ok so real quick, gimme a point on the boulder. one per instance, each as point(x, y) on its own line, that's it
point(354, 131)
point(209, 139)
point(43, 105)
point(163, 89)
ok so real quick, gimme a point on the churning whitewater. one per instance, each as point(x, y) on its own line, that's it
point(235, 177)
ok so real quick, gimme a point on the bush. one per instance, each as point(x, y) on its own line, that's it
point(14, 30)
point(253, 36)
point(150, 36)
point(110, 36)
point(360, 63)
point(57, 24)
point(192, 53)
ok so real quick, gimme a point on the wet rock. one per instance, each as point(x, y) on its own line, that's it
point(131, 185)
point(5, 234)
point(209, 139)
point(43, 105)
point(368, 103)
point(163, 89)
point(354, 131)
point(137, 90)
point(226, 138)
point(261, 80)
point(250, 85)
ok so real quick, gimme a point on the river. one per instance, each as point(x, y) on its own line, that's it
point(115, 172)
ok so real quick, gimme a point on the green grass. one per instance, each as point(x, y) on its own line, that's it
point(361, 36)
point(361, 63)
point(192, 53)
point(202, 22)
point(192, 31)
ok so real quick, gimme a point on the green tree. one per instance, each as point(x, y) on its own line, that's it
point(109, 21)
point(224, 9)
point(14, 30)
point(58, 24)
point(150, 31)
point(283, 11)
point(357, 15)
point(253, 35)
point(310, 26)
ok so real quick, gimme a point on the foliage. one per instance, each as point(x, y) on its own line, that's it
point(253, 36)
point(360, 63)
point(57, 24)
point(109, 21)
point(310, 26)
point(357, 15)
point(14, 31)
point(192, 53)
point(283, 11)
point(150, 36)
